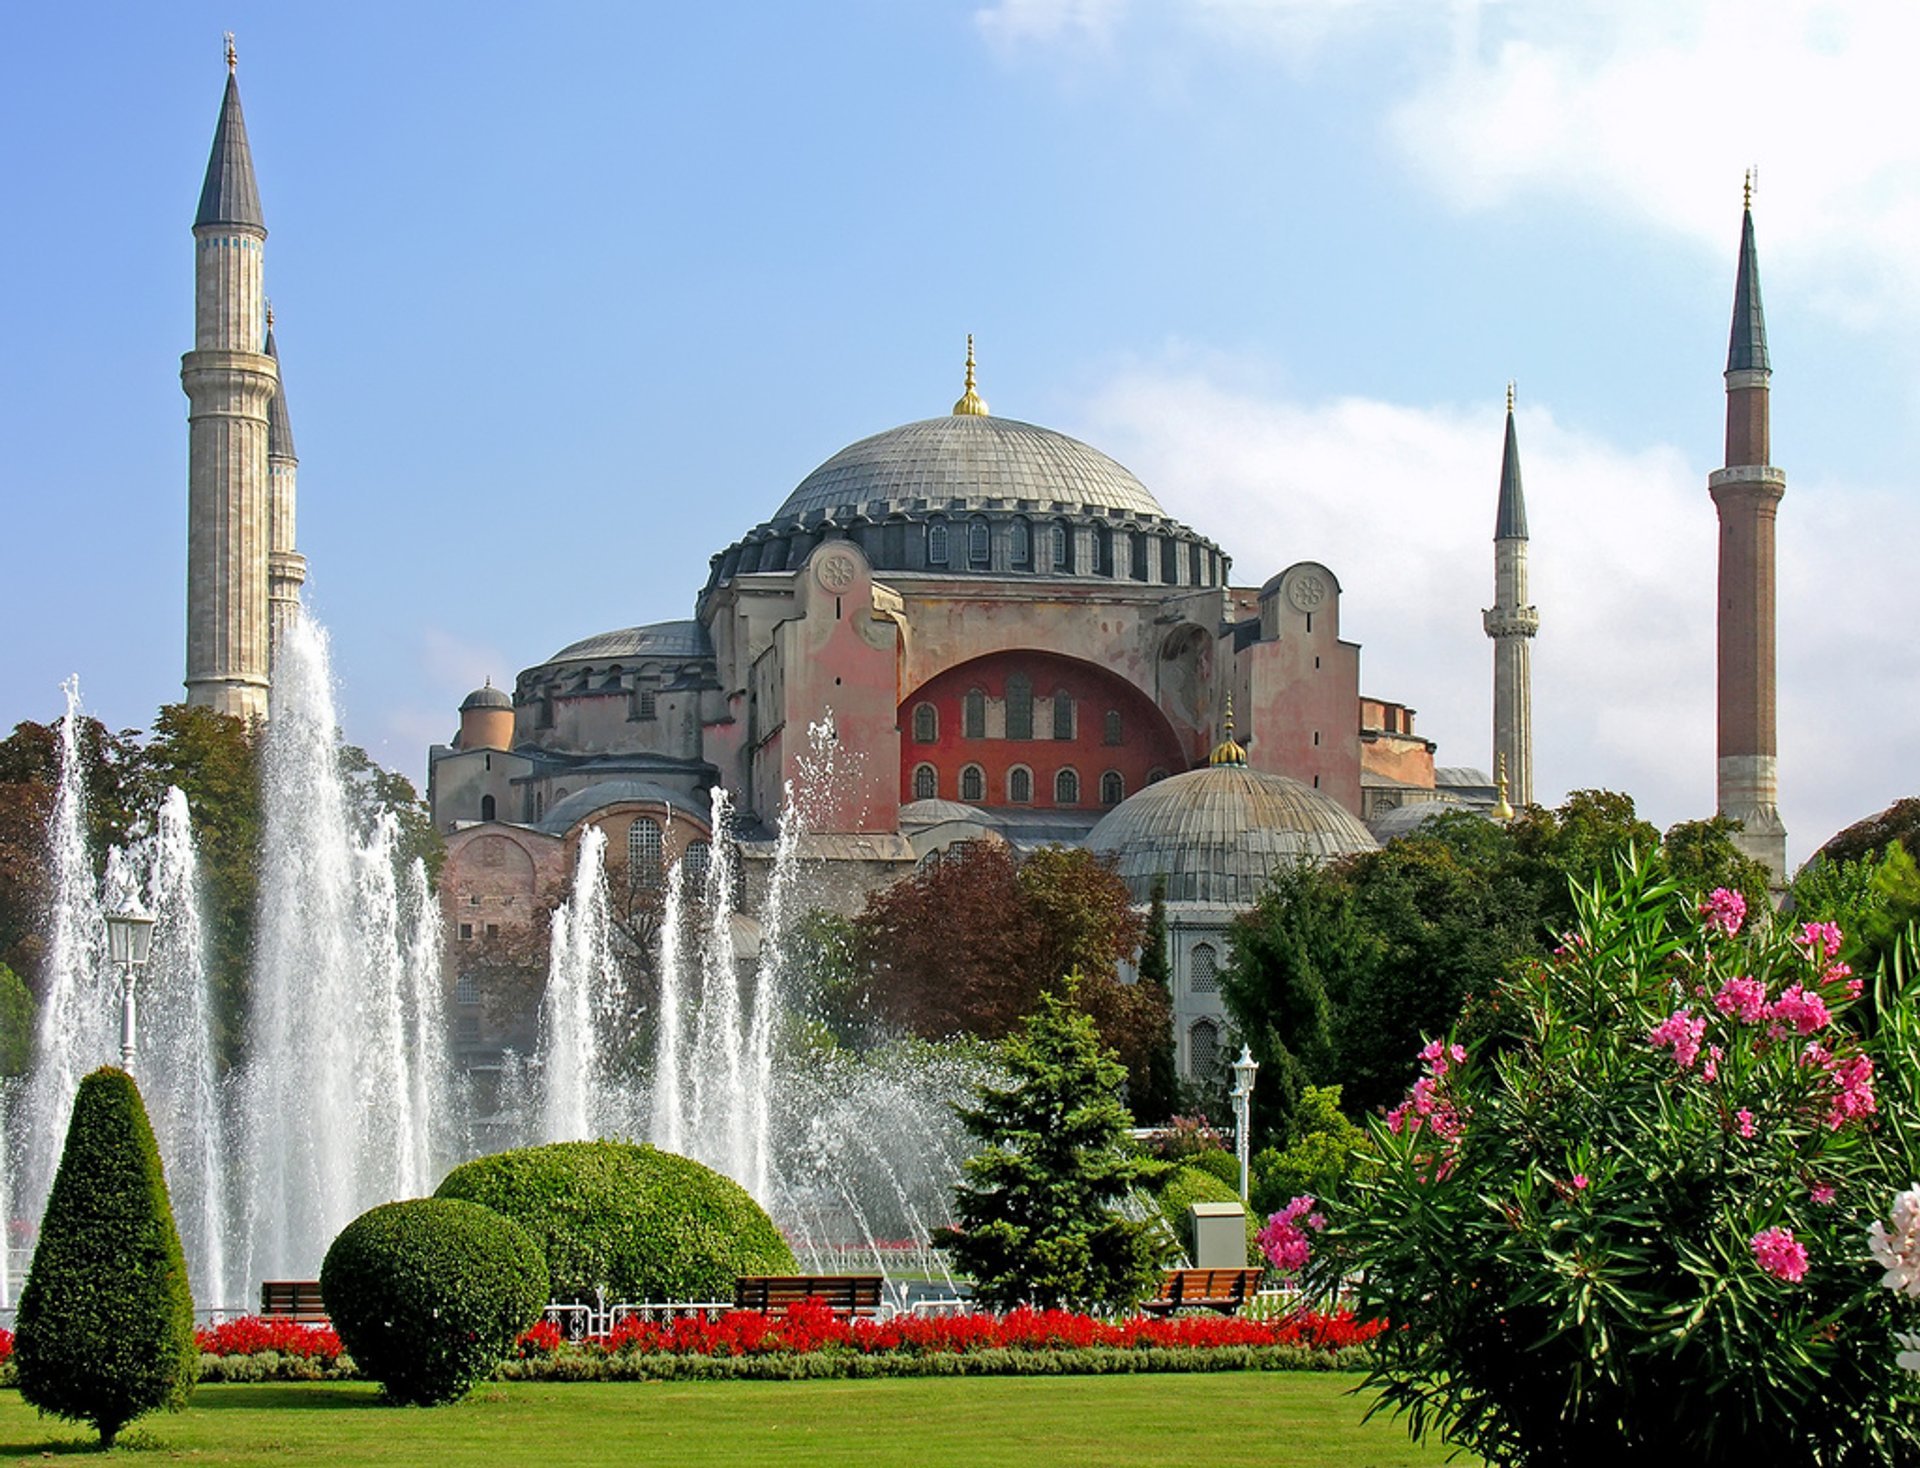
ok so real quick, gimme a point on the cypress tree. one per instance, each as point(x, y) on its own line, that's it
point(1039, 1205)
point(105, 1329)
point(1156, 1094)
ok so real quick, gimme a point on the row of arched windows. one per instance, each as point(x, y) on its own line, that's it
point(1019, 787)
point(1049, 546)
point(1021, 708)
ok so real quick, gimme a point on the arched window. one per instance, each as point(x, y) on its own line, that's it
point(1066, 788)
point(1020, 785)
point(1169, 559)
point(979, 542)
point(1019, 706)
point(694, 864)
point(1102, 551)
point(1204, 974)
point(466, 990)
point(926, 782)
point(1199, 565)
point(560, 795)
point(1203, 1050)
point(1156, 775)
point(937, 543)
point(926, 724)
point(1022, 536)
point(1063, 715)
point(1110, 734)
point(1140, 542)
point(1113, 789)
point(973, 784)
point(973, 714)
point(643, 852)
point(486, 807)
point(1062, 539)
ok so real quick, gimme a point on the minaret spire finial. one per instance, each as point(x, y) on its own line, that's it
point(269, 314)
point(233, 57)
point(971, 404)
point(1509, 394)
point(1503, 808)
point(1746, 190)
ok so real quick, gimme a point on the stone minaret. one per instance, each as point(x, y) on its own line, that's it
point(1747, 493)
point(286, 567)
point(230, 383)
point(1511, 623)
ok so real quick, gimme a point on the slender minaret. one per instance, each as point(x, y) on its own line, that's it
point(1747, 493)
point(286, 567)
point(230, 382)
point(1511, 623)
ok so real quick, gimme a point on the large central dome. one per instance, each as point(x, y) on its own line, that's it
point(972, 458)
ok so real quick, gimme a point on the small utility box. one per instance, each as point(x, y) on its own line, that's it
point(1219, 1235)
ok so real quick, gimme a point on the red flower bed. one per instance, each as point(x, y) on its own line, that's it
point(250, 1333)
point(6, 1344)
point(812, 1327)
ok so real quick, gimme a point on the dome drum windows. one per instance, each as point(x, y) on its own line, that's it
point(1021, 544)
point(937, 543)
point(979, 541)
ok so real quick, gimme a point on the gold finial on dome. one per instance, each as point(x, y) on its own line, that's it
point(1227, 752)
point(971, 404)
point(233, 59)
point(1502, 809)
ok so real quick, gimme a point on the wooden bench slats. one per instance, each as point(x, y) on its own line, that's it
point(1221, 1290)
point(776, 1294)
point(295, 1298)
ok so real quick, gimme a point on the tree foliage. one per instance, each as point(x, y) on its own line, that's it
point(1039, 1205)
point(1154, 1092)
point(968, 945)
point(16, 1023)
point(105, 1329)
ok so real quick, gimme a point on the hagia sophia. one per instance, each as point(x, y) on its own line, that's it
point(988, 629)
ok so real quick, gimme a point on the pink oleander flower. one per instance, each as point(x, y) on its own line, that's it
point(1821, 1193)
point(1723, 911)
point(1820, 938)
point(1743, 1118)
point(1851, 1098)
point(1780, 1254)
point(1744, 998)
point(1579, 1182)
point(1682, 1033)
point(1805, 1012)
point(1895, 1245)
point(1710, 1069)
point(1284, 1240)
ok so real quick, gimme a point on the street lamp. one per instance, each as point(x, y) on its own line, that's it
point(129, 944)
point(1242, 1094)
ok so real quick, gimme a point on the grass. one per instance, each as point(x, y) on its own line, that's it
point(1277, 1418)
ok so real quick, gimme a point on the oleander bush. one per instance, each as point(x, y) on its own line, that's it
point(104, 1332)
point(627, 1222)
point(429, 1295)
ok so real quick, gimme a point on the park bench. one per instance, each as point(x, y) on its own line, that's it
point(298, 1299)
point(775, 1294)
point(1222, 1290)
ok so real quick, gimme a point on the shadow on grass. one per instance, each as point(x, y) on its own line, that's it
point(305, 1397)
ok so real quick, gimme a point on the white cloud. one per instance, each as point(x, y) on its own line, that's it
point(1399, 500)
point(1011, 25)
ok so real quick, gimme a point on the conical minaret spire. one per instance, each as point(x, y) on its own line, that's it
point(1747, 495)
point(286, 567)
point(1512, 623)
point(230, 382)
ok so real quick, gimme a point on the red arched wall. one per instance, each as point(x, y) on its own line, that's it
point(1147, 740)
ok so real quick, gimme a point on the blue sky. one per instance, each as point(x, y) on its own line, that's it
point(569, 297)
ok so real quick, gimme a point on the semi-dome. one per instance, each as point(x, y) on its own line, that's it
point(1218, 834)
point(972, 458)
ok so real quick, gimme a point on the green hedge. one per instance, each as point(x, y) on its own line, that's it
point(429, 1294)
point(1192, 1185)
point(626, 1221)
point(105, 1328)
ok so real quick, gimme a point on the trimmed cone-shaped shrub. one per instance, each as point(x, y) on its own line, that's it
point(625, 1221)
point(105, 1329)
point(1190, 1185)
point(429, 1295)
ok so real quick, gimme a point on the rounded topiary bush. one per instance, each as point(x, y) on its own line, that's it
point(1190, 1185)
point(627, 1222)
point(428, 1295)
point(105, 1329)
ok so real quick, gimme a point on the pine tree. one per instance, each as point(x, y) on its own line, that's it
point(105, 1330)
point(1039, 1204)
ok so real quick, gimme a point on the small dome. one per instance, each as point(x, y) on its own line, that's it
point(974, 458)
point(488, 697)
point(1218, 834)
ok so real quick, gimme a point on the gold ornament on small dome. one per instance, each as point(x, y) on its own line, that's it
point(1502, 809)
point(1227, 752)
point(971, 404)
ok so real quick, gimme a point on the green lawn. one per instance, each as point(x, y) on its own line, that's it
point(1273, 1418)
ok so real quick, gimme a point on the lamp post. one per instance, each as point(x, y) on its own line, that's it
point(1242, 1094)
point(129, 944)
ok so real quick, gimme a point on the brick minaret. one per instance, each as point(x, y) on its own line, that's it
point(1511, 623)
point(230, 381)
point(1747, 493)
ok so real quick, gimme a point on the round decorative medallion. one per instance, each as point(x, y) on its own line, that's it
point(835, 571)
point(1306, 591)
